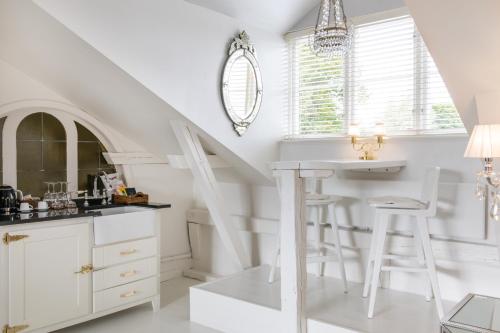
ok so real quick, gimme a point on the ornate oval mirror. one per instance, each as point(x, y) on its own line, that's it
point(241, 84)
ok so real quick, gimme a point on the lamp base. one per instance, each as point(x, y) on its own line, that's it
point(368, 156)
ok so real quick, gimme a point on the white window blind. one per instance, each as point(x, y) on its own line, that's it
point(388, 76)
point(318, 91)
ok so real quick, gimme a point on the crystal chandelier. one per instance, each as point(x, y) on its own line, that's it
point(332, 35)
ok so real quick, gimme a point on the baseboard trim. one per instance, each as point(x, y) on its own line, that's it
point(174, 267)
point(200, 275)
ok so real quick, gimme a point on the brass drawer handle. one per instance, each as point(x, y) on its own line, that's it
point(128, 274)
point(129, 294)
point(86, 269)
point(128, 252)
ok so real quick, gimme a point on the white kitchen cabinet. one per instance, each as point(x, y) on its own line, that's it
point(55, 273)
point(45, 282)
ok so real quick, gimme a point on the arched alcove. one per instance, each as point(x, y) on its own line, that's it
point(71, 118)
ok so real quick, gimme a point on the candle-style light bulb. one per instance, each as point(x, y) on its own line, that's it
point(379, 129)
point(354, 130)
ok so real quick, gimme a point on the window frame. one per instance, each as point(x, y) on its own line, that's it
point(419, 100)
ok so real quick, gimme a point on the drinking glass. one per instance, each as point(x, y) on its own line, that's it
point(69, 203)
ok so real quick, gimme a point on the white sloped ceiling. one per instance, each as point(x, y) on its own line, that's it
point(463, 37)
point(40, 46)
point(176, 50)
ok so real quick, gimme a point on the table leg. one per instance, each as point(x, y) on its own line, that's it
point(497, 231)
point(293, 252)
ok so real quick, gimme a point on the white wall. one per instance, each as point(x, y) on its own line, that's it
point(16, 86)
point(177, 50)
point(468, 263)
point(190, 85)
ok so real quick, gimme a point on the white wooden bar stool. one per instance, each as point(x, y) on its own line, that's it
point(319, 202)
point(419, 210)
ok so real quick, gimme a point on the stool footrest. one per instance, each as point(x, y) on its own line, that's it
point(400, 257)
point(318, 259)
point(404, 269)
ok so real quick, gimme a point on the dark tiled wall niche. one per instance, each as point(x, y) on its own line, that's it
point(41, 153)
point(90, 159)
point(2, 121)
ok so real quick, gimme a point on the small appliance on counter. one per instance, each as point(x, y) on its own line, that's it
point(9, 198)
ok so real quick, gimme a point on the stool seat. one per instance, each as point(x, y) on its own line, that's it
point(321, 199)
point(391, 202)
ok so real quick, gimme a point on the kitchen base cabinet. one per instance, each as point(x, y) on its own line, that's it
point(45, 282)
point(52, 275)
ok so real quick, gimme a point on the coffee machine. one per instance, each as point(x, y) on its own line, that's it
point(9, 199)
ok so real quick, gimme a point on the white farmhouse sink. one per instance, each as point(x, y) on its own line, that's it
point(120, 224)
point(120, 210)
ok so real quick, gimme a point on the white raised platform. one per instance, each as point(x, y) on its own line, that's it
point(246, 303)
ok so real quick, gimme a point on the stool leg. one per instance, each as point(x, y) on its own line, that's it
point(338, 244)
point(377, 266)
point(317, 239)
point(421, 261)
point(371, 258)
point(272, 273)
point(431, 266)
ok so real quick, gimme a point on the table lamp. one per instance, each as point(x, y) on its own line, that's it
point(365, 145)
point(484, 143)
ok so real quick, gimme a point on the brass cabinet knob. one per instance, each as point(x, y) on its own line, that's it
point(86, 269)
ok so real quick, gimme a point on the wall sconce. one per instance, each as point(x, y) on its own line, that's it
point(484, 143)
point(364, 144)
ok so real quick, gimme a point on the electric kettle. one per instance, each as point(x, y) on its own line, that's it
point(9, 198)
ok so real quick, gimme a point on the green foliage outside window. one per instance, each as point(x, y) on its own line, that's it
point(445, 116)
point(321, 93)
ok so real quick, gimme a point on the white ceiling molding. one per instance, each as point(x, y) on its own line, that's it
point(179, 162)
point(275, 15)
point(133, 158)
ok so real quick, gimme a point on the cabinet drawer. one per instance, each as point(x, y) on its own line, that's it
point(124, 252)
point(132, 292)
point(125, 273)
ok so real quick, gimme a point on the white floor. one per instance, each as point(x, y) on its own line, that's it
point(173, 316)
point(327, 305)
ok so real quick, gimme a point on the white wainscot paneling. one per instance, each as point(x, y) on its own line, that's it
point(460, 214)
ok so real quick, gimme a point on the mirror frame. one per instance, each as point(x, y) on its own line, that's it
point(241, 47)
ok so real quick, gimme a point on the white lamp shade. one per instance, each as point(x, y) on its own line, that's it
point(484, 142)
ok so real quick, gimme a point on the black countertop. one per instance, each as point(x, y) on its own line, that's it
point(67, 213)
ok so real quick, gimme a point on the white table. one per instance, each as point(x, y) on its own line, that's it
point(292, 176)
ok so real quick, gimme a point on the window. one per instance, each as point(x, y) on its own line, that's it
point(388, 76)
